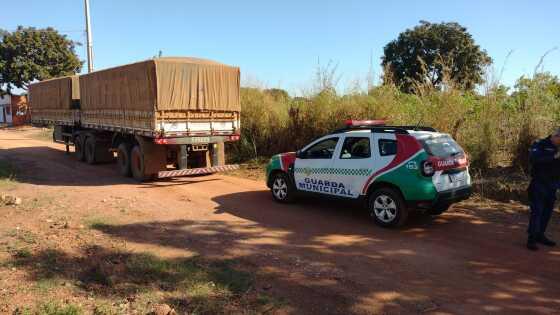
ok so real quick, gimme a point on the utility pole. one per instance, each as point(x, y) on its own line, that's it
point(89, 41)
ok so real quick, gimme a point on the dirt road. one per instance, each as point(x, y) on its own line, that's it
point(320, 257)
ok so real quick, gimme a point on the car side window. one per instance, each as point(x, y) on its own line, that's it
point(387, 147)
point(321, 150)
point(355, 148)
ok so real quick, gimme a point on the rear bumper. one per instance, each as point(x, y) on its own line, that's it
point(197, 171)
point(199, 139)
point(443, 198)
point(453, 195)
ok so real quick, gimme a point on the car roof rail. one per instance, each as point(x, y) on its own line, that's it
point(386, 129)
point(416, 128)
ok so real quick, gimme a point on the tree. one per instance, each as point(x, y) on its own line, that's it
point(542, 81)
point(3, 33)
point(277, 94)
point(30, 54)
point(428, 53)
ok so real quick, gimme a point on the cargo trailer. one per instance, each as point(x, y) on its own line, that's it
point(162, 117)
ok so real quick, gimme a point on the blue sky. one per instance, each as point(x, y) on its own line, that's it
point(279, 43)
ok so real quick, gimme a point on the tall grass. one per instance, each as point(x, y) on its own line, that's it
point(495, 127)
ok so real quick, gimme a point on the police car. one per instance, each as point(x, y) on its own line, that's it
point(394, 169)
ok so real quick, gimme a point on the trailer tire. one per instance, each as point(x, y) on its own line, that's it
point(123, 159)
point(137, 164)
point(89, 150)
point(79, 148)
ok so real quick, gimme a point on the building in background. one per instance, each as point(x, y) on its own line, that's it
point(13, 110)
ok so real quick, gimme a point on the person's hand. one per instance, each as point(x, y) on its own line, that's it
point(557, 155)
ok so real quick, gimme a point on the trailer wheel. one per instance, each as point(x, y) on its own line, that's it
point(123, 159)
point(89, 150)
point(79, 148)
point(137, 164)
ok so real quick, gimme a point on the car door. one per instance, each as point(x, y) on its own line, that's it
point(354, 164)
point(313, 165)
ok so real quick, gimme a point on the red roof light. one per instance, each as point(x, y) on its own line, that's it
point(354, 123)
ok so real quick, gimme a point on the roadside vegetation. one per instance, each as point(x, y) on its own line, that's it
point(434, 74)
point(7, 174)
point(495, 125)
point(125, 282)
point(43, 134)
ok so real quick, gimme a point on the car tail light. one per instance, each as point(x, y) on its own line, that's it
point(160, 141)
point(428, 168)
point(234, 137)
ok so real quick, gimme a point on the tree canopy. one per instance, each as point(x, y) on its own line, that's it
point(278, 94)
point(544, 81)
point(30, 54)
point(428, 53)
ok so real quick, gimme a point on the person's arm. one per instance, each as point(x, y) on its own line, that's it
point(538, 155)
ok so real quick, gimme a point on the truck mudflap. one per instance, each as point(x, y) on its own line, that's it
point(198, 171)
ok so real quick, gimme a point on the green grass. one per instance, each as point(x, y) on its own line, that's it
point(50, 308)
point(96, 223)
point(43, 134)
point(45, 285)
point(23, 236)
point(7, 174)
point(57, 309)
point(190, 285)
point(22, 253)
point(104, 309)
point(209, 286)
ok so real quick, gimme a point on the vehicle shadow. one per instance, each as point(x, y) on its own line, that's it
point(467, 261)
point(43, 165)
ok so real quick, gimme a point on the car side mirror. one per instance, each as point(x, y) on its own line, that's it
point(300, 154)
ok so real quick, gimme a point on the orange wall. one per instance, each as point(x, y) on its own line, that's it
point(19, 104)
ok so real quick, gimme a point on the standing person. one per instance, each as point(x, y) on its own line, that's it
point(544, 157)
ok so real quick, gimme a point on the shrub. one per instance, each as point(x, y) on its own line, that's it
point(495, 128)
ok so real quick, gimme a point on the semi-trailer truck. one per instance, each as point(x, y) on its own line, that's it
point(162, 117)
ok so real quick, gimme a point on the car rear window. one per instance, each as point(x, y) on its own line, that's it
point(441, 146)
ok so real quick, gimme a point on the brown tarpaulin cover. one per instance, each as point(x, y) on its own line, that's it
point(163, 84)
point(54, 93)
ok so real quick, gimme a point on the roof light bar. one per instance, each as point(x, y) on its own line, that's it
point(355, 123)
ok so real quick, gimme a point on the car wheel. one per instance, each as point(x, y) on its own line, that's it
point(387, 207)
point(282, 188)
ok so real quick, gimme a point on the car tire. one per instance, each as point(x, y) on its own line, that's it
point(282, 188)
point(387, 207)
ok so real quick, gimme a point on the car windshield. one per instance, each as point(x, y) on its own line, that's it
point(441, 146)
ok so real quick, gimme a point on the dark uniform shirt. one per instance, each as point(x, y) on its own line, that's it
point(544, 167)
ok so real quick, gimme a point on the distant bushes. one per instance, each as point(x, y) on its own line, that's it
point(494, 127)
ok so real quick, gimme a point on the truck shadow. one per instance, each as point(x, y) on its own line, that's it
point(43, 165)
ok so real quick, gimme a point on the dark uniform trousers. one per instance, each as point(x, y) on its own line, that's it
point(545, 174)
point(542, 196)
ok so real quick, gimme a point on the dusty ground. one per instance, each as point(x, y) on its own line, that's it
point(87, 237)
